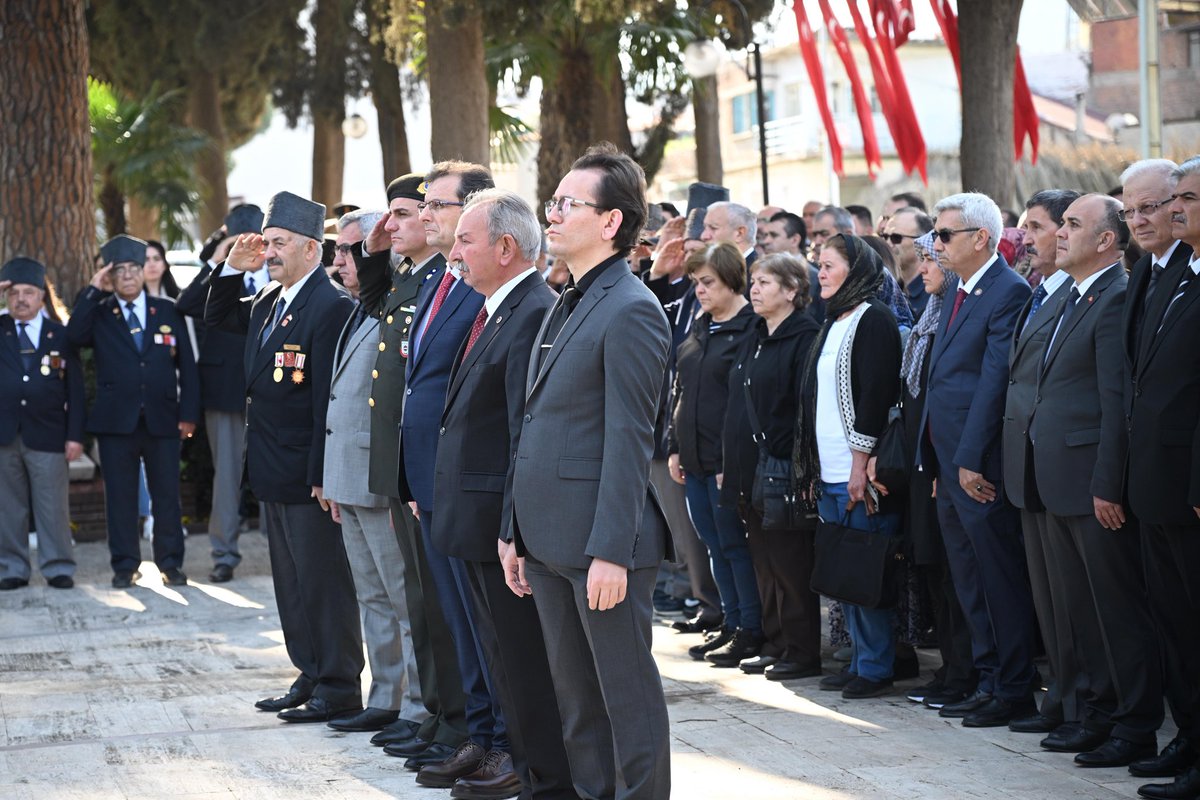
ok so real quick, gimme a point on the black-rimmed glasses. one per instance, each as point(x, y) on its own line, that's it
point(897, 238)
point(946, 234)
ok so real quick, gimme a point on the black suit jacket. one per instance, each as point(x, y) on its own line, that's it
point(222, 375)
point(1134, 313)
point(285, 404)
point(43, 406)
point(1164, 411)
point(481, 424)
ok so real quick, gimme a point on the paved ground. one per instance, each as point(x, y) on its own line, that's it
point(149, 693)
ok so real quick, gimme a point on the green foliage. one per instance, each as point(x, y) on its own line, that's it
point(139, 150)
point(510, 136)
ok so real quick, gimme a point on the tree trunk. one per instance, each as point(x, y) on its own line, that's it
point(987, 37)
point(144, 221)
point(45, 140)
point(565, 131)
point(708, 130)
point(204, 113)
point(112, 208)
point(329, 158)
point(389, 107)
point(458, 85)
point(327, 101)
point(610, 122)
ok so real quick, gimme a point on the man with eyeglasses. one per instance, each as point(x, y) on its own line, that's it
point(147, 400)
point(901, 230)
point(588, 529)
point(961, 427)
point(1164, 467)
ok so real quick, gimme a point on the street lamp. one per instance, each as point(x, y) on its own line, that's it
point(701, 60)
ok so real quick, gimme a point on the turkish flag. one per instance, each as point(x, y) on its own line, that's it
point(883, 85)
point(862, 105)
point(1025, 116)
point(812, 62)
point(949, 25)
point(882, 11)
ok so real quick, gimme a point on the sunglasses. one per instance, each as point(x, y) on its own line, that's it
point(897, 238)
point(946, 234)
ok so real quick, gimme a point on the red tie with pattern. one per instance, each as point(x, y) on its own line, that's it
point(958, 301)
point(476, 330)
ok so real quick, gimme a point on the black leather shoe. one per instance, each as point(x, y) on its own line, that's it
point(744, 644)
point(837, 681)
point(442, 775)
point(861, 688)
point(174, 577)
point(1176, 757)
point(1035, 724)
point(1074, 739)
point(701, 623)
point(757, 665)
point(433, 754)
point(939, 700)
point(61, 582)
point(125, 578)
point(960, 708)
point(318, 709)
point(221, 573)
point(713, 642)
point(8, 584)
point(1185, 787)
point(494, 780)
point(998, 712)
point(371, 719)
point(296, 696)
point(408, 749)
point(1116, 753)
point(790, 671)
point(399, 731)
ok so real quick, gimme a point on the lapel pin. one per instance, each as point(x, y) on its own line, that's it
point(1091, 297)
point(499, 320)
point(286, 320)
point(978, 292)
point(153, 311)
point(49, 334)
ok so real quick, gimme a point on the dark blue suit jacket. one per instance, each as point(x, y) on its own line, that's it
point(427, 379)
point(160, 380)
point(222, 376)
point(45, 410)
point(968, 374)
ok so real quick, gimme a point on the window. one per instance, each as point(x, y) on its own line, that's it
point(744, 110)
point(1194, 49)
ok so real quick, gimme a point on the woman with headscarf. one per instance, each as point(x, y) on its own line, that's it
point(851, 381)
point(956, 676)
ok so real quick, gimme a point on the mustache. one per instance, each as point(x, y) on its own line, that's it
point(275, 262)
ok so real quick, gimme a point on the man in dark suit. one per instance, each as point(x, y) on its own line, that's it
point(1062, 702)
point(1164, 467)
point(41, 429)
point(402, 234)
point(291, 328)
point(968, 376)
point(223, 396)
point(147, 399)
point(1079, 441)
point(496, 247)
point(446, 309)
point(584, 514)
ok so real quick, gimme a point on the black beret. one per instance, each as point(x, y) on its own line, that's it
point(24, 270)
point(123, 248)
point(246, 218)
point(411, 186)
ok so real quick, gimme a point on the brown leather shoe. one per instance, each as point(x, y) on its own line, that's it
point(442, 775)
point(494, 780)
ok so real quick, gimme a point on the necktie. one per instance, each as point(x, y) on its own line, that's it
point(251, 288)
point(28, 351)
point(959, 297)
point(279, 305)
point(135, 324)
point(439, 297)
point(476, 329)
point(1156, 272)
point(1064, 318)
point(1039, 297)
point(1188, 275)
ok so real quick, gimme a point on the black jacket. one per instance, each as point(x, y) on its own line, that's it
point(222, 375)
point(775, 389)
point(701, 394)
point(43, 405)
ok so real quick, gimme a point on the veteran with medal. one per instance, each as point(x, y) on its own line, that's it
point(291, 328)
point(41, 429)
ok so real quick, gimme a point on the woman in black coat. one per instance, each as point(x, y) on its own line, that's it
point(766, 374)
point(694, 443)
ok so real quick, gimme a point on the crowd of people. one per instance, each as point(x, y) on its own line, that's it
point(489, 449)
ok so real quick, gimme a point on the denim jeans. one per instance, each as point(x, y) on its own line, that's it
point(722, 532)
point(870, 629)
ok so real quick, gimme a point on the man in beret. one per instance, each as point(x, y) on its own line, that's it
point(41, 421)
point(291, 328)
point(147, 399)
point(223, 395)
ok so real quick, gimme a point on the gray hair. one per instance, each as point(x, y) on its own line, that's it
point(507, 212)
point(843, 220)
point(366, 218)
point(740, 216)
point(978, 211)
point(1149, 167)
point(1189, 167)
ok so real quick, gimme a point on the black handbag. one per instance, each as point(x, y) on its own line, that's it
point(773, 494)
point(893, 464)
point(857, 566)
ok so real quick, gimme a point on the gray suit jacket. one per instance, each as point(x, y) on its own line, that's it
point(1078, 424)
point(1024, 364)
point(581, 476)
point(348, 419)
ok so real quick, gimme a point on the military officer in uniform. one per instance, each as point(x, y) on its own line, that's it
point(147, 399)
point(41, 430)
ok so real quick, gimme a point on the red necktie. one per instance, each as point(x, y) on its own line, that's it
point(439, 298)
point(958, 301)
point(476, 329)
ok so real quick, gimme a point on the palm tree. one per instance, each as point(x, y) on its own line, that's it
point(139, 153)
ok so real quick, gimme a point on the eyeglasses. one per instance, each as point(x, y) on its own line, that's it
point(345, 249)
point(437, 205)
point(1144, 210)
point(564, 205)
point(946, 234)
point(897, 238)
